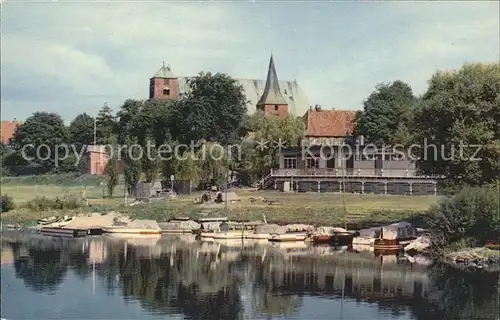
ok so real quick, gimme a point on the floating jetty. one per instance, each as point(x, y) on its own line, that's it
point(64, 232)
point(126, 230)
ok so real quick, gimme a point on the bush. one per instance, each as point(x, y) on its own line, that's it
point(57, 203)
point(7, 203)
point(468, 218)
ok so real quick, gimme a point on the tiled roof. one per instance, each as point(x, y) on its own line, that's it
point(329, 123)
point(8, 129)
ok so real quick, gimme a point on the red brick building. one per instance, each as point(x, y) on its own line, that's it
point(8, 129)
point(270, 95)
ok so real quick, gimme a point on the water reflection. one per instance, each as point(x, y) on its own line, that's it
point(233, 280)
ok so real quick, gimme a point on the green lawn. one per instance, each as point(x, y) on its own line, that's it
point(312, 208)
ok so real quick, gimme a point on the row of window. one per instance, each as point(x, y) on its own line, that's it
point(291, 162)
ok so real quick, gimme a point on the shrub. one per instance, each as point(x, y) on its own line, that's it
point(468, 218)
point(57, 203)
point(7, 203)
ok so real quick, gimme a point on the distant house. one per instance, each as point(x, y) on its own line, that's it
point(8, 129)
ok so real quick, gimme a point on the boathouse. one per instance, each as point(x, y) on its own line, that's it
point(332, 159)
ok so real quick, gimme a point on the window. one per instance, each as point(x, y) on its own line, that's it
point(285, 91)
point(290, 163)
point(312, 162)
point(166, 92)
point(276, 107)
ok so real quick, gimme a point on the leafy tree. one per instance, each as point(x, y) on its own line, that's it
point(461, 107)
point(260, 148)
point(81, 130)
point(45, 132)
point(188, 168)
point(111, 169)
point(126, 120)
point(214, 161)
point(106, 125)
point(214, 110)
point(387, 114)
point(7, 203)
point(131, 164)
point(469, 218)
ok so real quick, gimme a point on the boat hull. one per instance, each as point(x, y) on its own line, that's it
point(339, 239)
point(131, 231)
point(390, 245)
point(287, 237)
point(258, 236)
point(363, 241)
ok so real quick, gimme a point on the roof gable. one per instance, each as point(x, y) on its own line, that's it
point(329, 123)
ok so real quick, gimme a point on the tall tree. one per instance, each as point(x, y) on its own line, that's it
point(268, 135)
point(106, 125)
point(81, 130)
point(387, 114)
point(42, 135)
point(214, 110)
point(461, 107)
point(111, 168)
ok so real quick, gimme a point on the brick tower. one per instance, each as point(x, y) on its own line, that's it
point(163, 85)
point(272, 101)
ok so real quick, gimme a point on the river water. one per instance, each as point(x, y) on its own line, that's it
point(180, 278)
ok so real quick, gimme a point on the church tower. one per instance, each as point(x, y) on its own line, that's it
point(163, 85)
point(272, 101)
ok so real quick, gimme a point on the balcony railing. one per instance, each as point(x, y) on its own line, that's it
point(339, 172)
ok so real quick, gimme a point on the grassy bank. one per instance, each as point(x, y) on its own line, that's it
point(310, 208)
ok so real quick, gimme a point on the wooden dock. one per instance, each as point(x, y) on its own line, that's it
point(70, 232)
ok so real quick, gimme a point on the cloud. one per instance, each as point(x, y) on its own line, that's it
point(410, 41)
point(86, 52)
point(72, 57)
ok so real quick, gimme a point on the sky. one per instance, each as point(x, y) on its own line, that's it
point(72, 57)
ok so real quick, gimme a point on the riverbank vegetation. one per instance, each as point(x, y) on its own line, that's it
point(469, 218)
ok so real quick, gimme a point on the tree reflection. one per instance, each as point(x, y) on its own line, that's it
point(209, 281)
point(42, 270)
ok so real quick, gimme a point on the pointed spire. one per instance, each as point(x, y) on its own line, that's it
point(164, 72)
point(272, 93)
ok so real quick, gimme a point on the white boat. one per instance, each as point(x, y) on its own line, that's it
point(365, 241)
point(232, 234)
point(289, 236)
point(258, 236)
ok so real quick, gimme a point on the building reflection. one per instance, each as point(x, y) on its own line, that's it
point(224, 280)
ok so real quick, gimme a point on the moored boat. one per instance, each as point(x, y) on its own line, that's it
point(288, 236)
point(332, 235)
point(263, 232)
point(395, 236)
